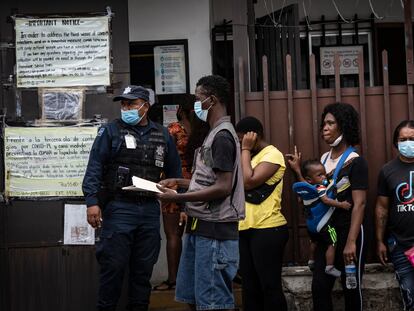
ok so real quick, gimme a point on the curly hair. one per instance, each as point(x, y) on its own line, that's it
point(405, 123)
point(248, 124)
point(217, 86)
point(347, 119)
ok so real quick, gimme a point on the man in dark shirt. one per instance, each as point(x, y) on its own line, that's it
point(214, 204)
point(126, 147)
point(394, 212)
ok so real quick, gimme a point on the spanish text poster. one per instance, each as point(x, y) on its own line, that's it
point(169, 66)
point(59, 52)
point(169, 114)
point(46, 161)
point(77, 231)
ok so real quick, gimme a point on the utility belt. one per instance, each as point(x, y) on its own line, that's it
point(136, 198)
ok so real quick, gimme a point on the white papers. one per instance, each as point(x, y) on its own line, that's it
point(140, 184)
point(77, 231)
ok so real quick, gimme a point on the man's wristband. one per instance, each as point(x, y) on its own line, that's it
point(246, 149)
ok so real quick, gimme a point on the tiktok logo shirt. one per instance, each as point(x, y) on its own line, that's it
point(404, 195)
point(396, 181)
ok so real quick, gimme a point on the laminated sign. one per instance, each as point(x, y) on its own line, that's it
point(46, 161)
point(61, 52)
point(348, 59)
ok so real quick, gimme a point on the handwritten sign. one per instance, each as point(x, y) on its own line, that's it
point(348, 59)
point(56, 52)
point(46, 161)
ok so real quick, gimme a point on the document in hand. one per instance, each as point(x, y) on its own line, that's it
point(140, 184)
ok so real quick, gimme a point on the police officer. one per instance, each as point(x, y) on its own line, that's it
point(130, 220)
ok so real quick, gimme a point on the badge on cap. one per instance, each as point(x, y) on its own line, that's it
point(127, 90)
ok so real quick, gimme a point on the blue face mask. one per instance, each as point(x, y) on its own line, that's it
point(406, 148)
point(198, 110)
point(132, 117)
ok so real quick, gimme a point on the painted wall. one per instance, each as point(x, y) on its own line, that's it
point(178, 19)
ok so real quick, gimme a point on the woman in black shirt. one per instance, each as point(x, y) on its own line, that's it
point(340, 130)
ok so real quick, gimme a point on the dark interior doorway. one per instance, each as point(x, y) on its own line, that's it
point(390, 37)
point(143, 73)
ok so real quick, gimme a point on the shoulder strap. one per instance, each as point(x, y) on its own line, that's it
point(341, 162)
point(326, 158)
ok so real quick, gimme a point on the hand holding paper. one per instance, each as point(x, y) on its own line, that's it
point(140, 184)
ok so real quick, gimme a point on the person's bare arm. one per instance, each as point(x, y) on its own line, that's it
point(381, 218)
point(331, 202)
point(359, 199)
point(294, 160)
point(175, 183)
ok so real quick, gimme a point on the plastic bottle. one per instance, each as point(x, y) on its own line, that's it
point(350, 273)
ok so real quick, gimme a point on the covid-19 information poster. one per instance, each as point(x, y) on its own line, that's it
point(61, 52)
point(169, 66)
point(46, 161)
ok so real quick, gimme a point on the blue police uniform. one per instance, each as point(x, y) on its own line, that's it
point(130, 234)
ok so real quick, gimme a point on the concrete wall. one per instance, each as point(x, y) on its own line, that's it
point(178, 19)
point(380, 289)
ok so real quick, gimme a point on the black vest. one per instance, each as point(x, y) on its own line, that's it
point(145, 161)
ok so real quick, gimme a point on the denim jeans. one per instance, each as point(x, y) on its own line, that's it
point(404, 272)
point(206, 271)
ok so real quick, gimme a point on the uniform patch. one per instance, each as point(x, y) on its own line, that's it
point(101, 131)
point(159, 156)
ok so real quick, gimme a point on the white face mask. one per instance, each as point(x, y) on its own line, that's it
point(199, 111)
point(337, 141)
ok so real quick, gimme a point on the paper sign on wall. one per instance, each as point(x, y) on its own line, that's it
point(169, 64)
point(56, 52)
point(348, 58)
point(46, 161)
point(77, 231)
point(169, 114)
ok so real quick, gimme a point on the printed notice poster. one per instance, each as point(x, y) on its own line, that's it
point(46, 161)
point(77, 231)
point(169, 114)
point(169, 64)
point(348, 58)
point(61, 52)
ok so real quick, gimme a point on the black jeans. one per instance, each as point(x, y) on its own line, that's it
point(323, 283)
point(261, 256)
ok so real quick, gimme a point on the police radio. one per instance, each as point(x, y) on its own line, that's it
point(123, 177)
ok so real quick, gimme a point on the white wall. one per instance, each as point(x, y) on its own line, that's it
point(176, 19)
point(391, 9)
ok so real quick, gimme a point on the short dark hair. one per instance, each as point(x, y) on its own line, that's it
point(348, 121)
point(217, 86)
point(249, 124)
point(307, 165)
point(405, 123)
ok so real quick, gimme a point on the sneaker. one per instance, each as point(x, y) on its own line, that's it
point(331, 270)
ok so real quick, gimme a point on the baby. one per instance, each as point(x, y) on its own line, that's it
point(314, 173)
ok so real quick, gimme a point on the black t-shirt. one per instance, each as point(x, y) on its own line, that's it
point(352, 176)
point(223, 151)
point(395, 181)
point(224, 156)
